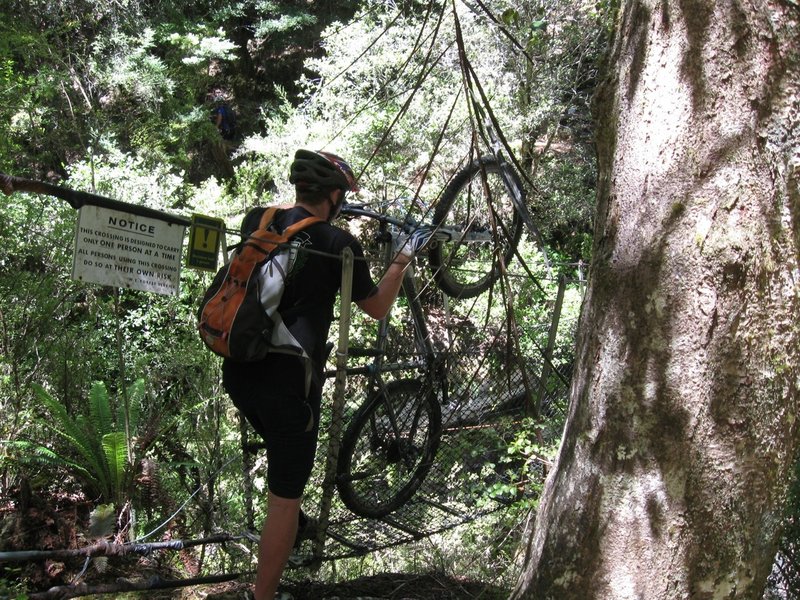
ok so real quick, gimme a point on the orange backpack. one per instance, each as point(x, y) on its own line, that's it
point(238, 316)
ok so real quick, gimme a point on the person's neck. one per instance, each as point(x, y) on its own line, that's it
point(320, 210)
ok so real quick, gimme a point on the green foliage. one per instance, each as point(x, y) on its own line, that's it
point(111, 69)
point(12, 589)
point(22, 452)
point(130, 177)
point(198, 49)
point(96, 446)
point(11, 82)
point(529, 457)
point(280, 18)
point(784, 581)
point(151, 80)
point(99, 441)
point(38, 304)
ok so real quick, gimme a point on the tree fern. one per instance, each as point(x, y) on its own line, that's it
point(71, 430)
point(82, 435)
point(96, 437)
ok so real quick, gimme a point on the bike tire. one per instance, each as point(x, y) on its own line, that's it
point(464, 269)
point(378, 470)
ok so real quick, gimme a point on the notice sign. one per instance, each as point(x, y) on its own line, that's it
point(125, 250)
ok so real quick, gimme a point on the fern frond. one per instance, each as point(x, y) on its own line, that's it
point(94, 463)
point(67, 427)
point(100, 409)
point(136, 394)
point(27, 453)
point(116, 455)
point(55, 407)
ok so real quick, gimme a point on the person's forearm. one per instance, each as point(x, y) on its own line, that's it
point(378, 304)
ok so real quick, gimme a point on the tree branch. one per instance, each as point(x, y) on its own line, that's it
point(111, 549)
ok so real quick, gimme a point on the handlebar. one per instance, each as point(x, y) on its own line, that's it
point(360, 210)
point(408, 225)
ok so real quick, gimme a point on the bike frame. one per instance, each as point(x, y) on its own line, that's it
point(429, 361)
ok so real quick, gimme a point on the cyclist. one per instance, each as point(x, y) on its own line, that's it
point(272, 394)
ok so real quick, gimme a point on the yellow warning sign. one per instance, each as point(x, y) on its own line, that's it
point(204, 240)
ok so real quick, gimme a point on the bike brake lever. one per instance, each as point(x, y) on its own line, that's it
point(347, 210)
point(441, 235)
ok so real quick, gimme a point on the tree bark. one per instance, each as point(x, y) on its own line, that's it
point(672, 475)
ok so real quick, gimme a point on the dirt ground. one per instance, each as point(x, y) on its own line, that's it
point(386, 586)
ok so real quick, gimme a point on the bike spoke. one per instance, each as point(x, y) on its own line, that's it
point(477, 203)
point(375, 477)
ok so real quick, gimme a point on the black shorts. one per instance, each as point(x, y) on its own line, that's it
point(271, 396)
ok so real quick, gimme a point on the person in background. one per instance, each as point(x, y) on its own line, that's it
point(224, 118)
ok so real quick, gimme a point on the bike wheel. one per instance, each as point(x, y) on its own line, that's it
point(388, 448)
point(468, 265)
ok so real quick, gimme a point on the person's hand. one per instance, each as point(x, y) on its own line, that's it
point(411, 244)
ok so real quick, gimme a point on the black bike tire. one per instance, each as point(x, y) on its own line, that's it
point(440, 254)
point(354, 488)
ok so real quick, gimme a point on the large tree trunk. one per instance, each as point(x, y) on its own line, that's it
point(671, 479)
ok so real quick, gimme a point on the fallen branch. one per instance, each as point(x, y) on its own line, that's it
point(111, 549)
point(76, 199)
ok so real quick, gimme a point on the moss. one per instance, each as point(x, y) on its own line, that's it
point(677, 210)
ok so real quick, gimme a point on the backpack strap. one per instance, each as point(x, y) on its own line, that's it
point(262, 233)
point(300, 225)
point(272, 211)
point(268, 216)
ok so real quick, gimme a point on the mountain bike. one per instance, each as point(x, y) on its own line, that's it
point(389, 444)
point(391, 441)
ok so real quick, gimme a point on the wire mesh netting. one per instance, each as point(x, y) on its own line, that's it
point(472, 474)
point(498, 390)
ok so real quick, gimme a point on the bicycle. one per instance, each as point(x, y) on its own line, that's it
point(391, 441)
point(389, 445)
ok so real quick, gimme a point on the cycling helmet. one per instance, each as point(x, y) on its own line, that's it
point(318, 170)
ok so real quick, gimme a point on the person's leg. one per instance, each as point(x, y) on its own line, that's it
point(277, 539)
point(273, 400)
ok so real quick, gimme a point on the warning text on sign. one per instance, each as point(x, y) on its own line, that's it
point(124, 250)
